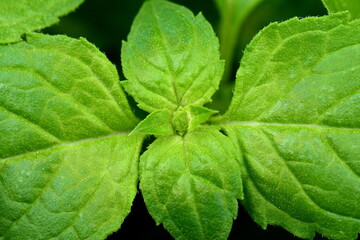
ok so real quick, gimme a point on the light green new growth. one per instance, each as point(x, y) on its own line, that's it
point(183, 120)
point(67, 168)
point(295, 120)
point(23, 16)
point(353, 6)
point(171, 58)
point(181, 188)
point(156, 123)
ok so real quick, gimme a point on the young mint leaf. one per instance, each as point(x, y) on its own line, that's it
point(171, 58)
point(191, 183)
point(163, 122)
point(232, 16)
point(198, 115)
point(353, 6)
point(295, 120)
point(67, 170)
point(23, 16)
point(156, 123)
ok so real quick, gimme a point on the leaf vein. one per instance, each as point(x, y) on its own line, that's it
point(342, 162)
point(81, 62)
point(52, 86)
point(29, 121)
point(332, 107)
point(299, 182)
point(37, 199)
point(67, 144)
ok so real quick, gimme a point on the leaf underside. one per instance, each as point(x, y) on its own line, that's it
point(232, 17)
point(295, 121)
point(353, 6)
point(67, 168)
point(191, 183)
point(23, 16)
point(171, 58)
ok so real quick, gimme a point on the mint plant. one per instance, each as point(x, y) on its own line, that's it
point(287, 148)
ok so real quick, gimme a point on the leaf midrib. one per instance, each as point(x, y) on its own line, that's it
point(63, 144)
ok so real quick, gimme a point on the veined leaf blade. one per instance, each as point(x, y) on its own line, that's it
point(82, 190)
point(171, 58)
point(56, 89)
point(295, 121)
point(181, 188)
point(67, 168)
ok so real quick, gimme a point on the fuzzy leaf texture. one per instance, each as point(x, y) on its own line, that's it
point(67, 168)
point(295, 121)
point(171, 58)
point(23, 16)
point(191, 184)
point(156, 123)
point(353, 6)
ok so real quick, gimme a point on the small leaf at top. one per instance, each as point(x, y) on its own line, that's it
point(68, 170)
point(23, 16)
point(353, 6)
point(163, 122)
point(191, 183)
point(198, 115)
point(171, 58)
point(295, 121)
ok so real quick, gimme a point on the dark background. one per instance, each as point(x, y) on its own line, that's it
point(106, 23)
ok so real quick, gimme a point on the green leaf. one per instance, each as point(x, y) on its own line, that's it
point(353, 6)
point(156, 123)
point(57, 89)
point(198, 115)
point(77, 190)
point(183, 191)
point(171, 58)
point(295, 121)
point(162, 122)
point(23, 16)
point(232, 16)
point(67, 170)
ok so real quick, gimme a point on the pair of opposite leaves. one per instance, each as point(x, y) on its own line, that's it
point(69, 169)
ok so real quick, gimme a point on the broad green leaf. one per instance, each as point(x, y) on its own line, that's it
point(191, 183)
point(156, 123)
point(77, 190)
point(353, 6)
point(295, 120)
point(23, 16)
point(232, 16)
point(171, 58)
point(67, 170)
point(57, 89)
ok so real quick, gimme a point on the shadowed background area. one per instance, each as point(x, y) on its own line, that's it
point(106, 23)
